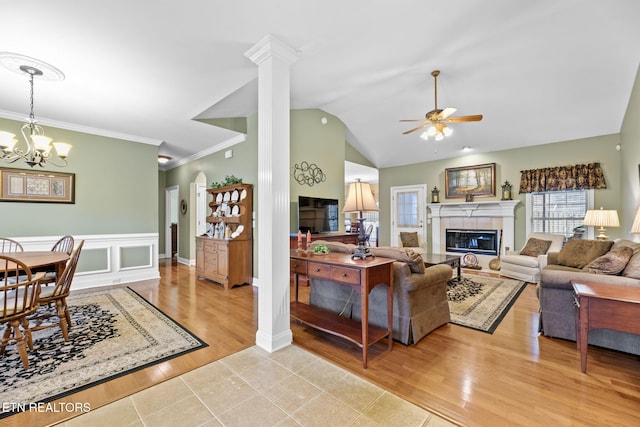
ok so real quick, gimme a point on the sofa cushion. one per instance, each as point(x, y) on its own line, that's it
point(613, 262)
point(413, 259)
point(578, 253)
point(535, 247)
point(409, 239)
point(632, 270)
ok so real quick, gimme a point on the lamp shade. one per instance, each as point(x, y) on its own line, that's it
point(360, 198)
point(602, 218)
point(635, 228)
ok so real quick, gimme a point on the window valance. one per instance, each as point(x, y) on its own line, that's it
point(559, 178)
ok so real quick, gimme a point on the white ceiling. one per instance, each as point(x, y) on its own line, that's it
point(539, 71)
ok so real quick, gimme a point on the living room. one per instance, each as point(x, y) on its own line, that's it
point(109, 206)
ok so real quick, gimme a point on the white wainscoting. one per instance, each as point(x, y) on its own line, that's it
point(107, 253)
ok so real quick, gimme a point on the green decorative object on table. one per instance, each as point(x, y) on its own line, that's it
point(228, 180)
point(320, 250)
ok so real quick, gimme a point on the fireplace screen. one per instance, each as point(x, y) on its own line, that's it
point(483, 242)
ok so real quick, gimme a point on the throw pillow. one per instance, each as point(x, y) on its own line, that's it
point(413, 260)
point(613, 262)
point(535, 247)
point(409, 239)
point(578, 253)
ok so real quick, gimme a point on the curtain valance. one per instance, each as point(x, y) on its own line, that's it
point(559, 178)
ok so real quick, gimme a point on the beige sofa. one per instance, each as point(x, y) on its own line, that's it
point(420, 302)
point(555, 292)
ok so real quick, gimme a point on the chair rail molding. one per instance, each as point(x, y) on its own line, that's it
point(109, 259)
point(498, 214)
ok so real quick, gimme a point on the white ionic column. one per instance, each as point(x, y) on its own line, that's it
point(273, 59)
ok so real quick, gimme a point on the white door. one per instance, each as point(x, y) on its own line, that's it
point(201, 209)
point(408, 211)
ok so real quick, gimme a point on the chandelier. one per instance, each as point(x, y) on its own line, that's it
point(39, 149)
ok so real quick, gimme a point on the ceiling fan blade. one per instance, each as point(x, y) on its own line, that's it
point(446, 113)
point(418, 120)
point(415, 129)
point(475, 118)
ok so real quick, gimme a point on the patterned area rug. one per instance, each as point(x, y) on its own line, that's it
point(481, 302)
point(114, 332)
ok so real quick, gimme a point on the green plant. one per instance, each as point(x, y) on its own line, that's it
point(320, 249)
point(228, 180)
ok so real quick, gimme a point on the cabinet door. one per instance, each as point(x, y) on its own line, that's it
point(223, 260)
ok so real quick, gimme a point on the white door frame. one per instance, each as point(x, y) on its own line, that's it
point(422, 212)
point(167, 218)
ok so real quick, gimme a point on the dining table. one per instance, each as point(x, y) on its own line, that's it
point(41, 259)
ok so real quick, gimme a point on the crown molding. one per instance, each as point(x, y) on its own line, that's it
point(219, 147)
point(80, 128)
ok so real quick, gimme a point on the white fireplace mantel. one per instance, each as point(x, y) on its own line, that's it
point(441, 212)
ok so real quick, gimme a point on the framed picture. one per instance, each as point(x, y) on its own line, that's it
point(479, 181)
point(23, 185)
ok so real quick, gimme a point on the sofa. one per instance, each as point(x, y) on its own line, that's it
point(420, 302)
point(616, 263)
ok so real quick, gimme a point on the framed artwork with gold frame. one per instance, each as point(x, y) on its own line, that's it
point(478, 181)
point(24, 185)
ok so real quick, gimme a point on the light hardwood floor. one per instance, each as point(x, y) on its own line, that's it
point(512, 377)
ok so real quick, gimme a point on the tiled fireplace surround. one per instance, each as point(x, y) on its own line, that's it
point(490, 215)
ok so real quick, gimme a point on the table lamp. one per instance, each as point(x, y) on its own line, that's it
point(360, 199)
point(635, 228)
point(602, 218)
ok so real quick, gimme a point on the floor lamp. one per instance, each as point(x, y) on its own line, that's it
point(360, 199)
point(602, 218)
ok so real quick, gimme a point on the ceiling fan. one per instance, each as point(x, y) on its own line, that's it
point(436, 119)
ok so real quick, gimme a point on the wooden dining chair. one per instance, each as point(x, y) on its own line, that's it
point(17, 301)
point(65, 244)
point(58, 295)
point(9, 245)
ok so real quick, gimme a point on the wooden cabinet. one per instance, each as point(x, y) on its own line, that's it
point(227, 257)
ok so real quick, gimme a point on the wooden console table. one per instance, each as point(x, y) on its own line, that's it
point(604, 306)
point(362, 276)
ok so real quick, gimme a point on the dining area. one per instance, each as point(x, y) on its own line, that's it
point(34, 286)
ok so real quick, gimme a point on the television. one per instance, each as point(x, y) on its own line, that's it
point(318, 215)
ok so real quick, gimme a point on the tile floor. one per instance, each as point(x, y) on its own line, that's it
point(290, 387)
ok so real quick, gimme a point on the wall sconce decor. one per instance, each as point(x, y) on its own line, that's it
point(506, 190)
point(308, 173)
point(435, 195)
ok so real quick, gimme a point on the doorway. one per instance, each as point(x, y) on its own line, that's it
point(408, 210)
point(171, 221)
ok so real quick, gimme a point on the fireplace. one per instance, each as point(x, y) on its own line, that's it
point(483, 242)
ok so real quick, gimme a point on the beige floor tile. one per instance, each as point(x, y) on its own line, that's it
point(207, 376)
point(256, 411)
point(355, 392)
point(185, 412)
point(264, 374)
point(389, 409)
point(226, 394)
point(249, 356)
point(325, 410)
point(292, 393)
point(294, 358)
point(436, 421)
point(322, 374)
point(121, 412)
point(160, 396)
point(288, 422)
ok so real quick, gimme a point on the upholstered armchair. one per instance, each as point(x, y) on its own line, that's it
point(411, 240)
point(527, 263)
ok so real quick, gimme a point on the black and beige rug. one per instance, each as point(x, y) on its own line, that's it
point(115, 332)
point(481, 302)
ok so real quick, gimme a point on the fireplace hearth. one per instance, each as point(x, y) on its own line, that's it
point(483, 242)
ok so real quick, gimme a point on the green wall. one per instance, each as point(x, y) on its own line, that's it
point(509, 163)
point(116, 189)
point(630, 151)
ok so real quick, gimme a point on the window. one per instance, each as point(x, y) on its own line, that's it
point(557, 212)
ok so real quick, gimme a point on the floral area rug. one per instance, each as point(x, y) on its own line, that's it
point(114, 332)
point(481, 302)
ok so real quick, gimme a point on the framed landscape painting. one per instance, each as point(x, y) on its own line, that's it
point(479, 180)
point(23, 185)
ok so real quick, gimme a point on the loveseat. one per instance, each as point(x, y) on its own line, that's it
point(420, 302)
point(615, 263)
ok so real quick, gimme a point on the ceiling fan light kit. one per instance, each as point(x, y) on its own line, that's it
point(436, 119)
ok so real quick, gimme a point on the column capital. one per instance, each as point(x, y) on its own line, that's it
point(269, 47)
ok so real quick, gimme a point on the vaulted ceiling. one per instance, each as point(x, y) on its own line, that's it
point(539, 71)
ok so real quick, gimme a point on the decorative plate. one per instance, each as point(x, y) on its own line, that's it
point(243, 195)
point(219, 198)
point(470, 259)
point(227, 197)
point(234, 196)
point(235, 211)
